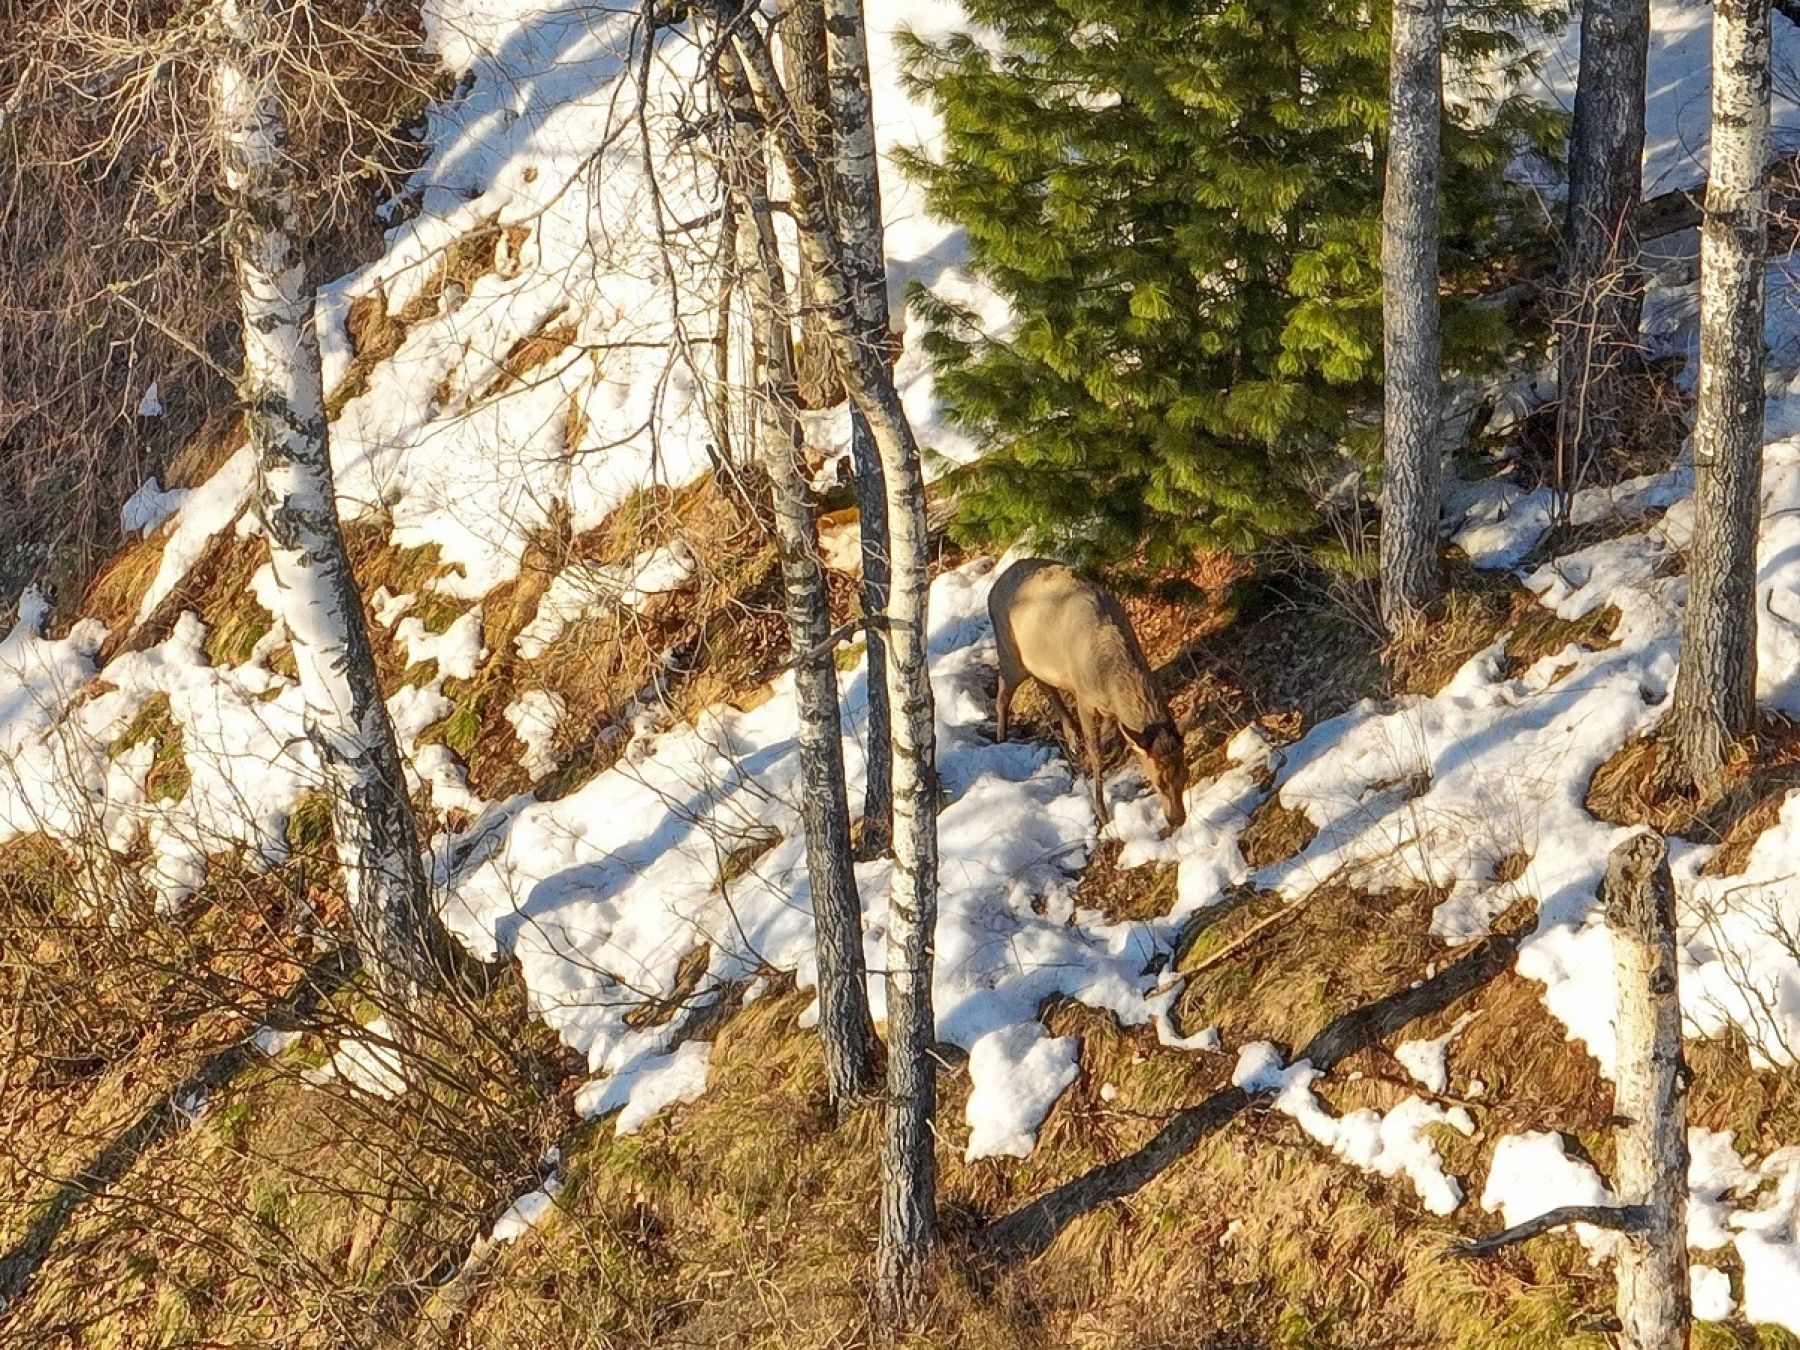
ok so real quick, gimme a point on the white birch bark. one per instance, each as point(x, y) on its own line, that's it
point(1715, 689)
point(855, 188)
point(1649, 1096)
point(909, 1165)
point(396, 930)
point(846, 1031)
point(1411, 414)
point(802, 33)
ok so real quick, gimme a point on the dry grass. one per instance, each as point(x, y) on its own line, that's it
point(1538, 632)
point(1641, 785)
point(1135, 893)
point(1476, 609)
point(1275, 832)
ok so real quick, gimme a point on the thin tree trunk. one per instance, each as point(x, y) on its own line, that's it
point(909, 1164)
point(1715, 689)
point(1649, 1097)
point(1411, 467)
point(845, 1027)
point(856, 187)
point(397, 932)
point(803, 58)
point(1597, 333)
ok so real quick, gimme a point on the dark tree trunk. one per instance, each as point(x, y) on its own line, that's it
point(402, 943)
point(803, 60)
point(856, 188)
point(1411, 465)
point(845, 1027)
point(1603, 286)
point(1650, 1096)
point(909, 1163)
point(1715, 689)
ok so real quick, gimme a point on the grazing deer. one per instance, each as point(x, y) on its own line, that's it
point(1074, 639)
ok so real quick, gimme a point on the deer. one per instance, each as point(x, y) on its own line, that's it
point(1075, 640)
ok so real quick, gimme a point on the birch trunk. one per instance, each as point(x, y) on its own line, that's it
point(855, 186)
point(803, 59)
point(1603, 285)
point(909, 1165)
point(845, 1028)
point(396, 930)
point(1411, 467)
point(1649, 1097)
point(1715, 689)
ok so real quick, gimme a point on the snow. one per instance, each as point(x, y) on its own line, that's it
point(583, 588)
point(150, 405)
point(1766, 1244)
point(274, 1043)
point(526, 1213)
point(1394, 1144)
point(648, 1086)
point(1428, 1060)
point(368, 1062)
point(535, 717)
point(1019, 1072)
point(1531, 1174)
point(1715, 1173)
point(149, 506)
point(1709, 1289)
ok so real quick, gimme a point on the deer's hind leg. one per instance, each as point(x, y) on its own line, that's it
point(1012, 675)
point(1057, 705)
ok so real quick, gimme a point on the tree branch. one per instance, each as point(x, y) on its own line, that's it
point(1619, 1218)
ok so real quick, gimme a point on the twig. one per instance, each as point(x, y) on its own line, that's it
point(1237, 944)
point(835, 636)
point(1619, 1218)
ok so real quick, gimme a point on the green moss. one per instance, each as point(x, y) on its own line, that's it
point(309, 823)
point(167, 779)
point(462, 729)
point(234, 635)
point(153, 722)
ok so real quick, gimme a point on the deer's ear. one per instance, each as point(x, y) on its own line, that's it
point(1139, 740)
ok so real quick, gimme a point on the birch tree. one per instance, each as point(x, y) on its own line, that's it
point(1649, 1096)
point(1411, 464)
point(1649, 1106)
point(909, 1165)
point(281, 388)
point(855, 186)
point(845, 1028)
point(1597, 332)
point(1715, 689)
point(803, 59)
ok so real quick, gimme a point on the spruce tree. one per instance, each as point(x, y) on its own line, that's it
point(1181, 201)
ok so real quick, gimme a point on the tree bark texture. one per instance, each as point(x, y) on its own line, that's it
point(845, 1027)
point(1411, 465)
point(396, 929)
point(803, 60)
point(909, 1164)
point(855, 187)
point(1715, 689)
point(1603, 285)
point(1649, 1096)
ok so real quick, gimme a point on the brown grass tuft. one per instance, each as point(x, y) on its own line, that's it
point(1275, 832)
point(1538, 633)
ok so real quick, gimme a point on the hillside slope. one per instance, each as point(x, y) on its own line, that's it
point(577, 623)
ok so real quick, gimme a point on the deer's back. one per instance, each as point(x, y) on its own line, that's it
point(1069, 633)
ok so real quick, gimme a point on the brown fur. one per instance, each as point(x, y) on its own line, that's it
point(1075, 640)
